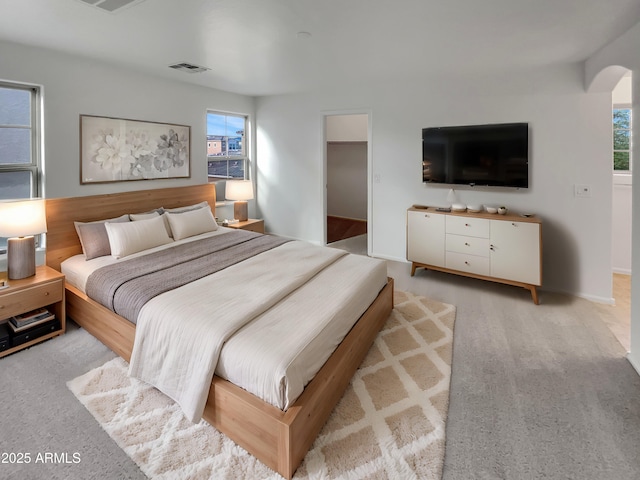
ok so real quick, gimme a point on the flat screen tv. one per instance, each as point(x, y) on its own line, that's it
point(484, 155)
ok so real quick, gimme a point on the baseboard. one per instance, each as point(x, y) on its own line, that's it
point(622, 271)
point(389, 257)
point(633, 362)
point(586, 296)
point(351, 219)
point(596, 299)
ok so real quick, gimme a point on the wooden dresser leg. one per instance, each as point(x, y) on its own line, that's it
point(534, 294)
point(413, 268)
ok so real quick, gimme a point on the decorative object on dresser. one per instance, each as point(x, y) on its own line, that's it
point(474, 208)
point(491, 209)
point(21, 305)
point(452, 197)
point(20, 221)
point(505, 249)
point(240, 191)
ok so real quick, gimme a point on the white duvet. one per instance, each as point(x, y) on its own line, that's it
point(267, 324)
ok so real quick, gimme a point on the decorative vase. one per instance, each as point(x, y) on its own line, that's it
point(502, 210)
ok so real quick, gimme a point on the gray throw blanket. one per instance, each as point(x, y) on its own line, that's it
point(125, 287)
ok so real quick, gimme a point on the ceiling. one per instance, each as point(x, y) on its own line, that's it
point(255, 47)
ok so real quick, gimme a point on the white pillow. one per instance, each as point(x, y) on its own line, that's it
point(188, 208)
point(191, 223)
point(132, 237)
point(136, 217)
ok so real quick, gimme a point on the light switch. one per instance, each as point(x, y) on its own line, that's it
point(583, 191)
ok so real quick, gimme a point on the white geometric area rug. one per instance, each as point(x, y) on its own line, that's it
point(390, 422)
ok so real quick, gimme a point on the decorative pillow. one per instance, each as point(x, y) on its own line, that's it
point(93, 236)
point(134, 217)
point(132, 237)
point(188, 208)
point(188, 224)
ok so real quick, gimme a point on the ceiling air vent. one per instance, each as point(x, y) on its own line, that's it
point(188, 67)
point(112, 6)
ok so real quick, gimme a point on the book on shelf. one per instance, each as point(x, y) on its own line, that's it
point(34, 317)
point(35, 323)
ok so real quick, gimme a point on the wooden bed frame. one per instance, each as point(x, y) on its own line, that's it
point(279, 439)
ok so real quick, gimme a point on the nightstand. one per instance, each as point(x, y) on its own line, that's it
point(252, 224)
point(44, 289)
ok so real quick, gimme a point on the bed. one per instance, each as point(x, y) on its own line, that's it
point(279, 438)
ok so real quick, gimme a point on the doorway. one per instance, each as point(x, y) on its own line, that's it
point(347, 179)
point(620, 320)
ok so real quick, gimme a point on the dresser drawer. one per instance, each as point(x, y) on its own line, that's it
point(468, 263)
point(473, 227)
point(31, 298)
point(468, 245)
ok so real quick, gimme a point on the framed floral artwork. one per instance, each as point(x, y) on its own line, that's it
point(117, 150)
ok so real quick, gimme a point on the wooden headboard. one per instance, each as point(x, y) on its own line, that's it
point(62, 239)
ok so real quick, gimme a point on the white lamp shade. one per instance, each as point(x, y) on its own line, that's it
point(239, 190)
point(22, 218)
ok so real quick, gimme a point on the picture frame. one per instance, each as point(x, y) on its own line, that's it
point(120, 150)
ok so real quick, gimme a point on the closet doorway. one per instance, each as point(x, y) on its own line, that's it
point(347, 174)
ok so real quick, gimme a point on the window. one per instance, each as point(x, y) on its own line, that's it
point(226, 146)
point(20, 172)
point(622, 139)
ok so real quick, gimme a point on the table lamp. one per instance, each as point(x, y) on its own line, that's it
point(20, 220)
point(241, 191)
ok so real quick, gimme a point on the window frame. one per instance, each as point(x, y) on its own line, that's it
point(245, 157)
point(35, 167)
point(622, 106)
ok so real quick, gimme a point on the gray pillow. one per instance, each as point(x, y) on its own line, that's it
point(93, 237)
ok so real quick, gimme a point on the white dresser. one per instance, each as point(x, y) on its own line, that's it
point(499, 248)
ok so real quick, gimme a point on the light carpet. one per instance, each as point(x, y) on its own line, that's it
point(390, 422)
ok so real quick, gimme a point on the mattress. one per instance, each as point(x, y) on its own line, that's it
point(279, 351)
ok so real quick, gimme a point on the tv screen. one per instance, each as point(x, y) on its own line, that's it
point(489, 155)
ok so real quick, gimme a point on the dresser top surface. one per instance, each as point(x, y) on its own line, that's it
point(509, 216)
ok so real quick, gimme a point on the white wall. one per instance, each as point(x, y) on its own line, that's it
point(621, 94)
point(347, 128)
point(74, 86)
point(623, 52)
point(570, 134)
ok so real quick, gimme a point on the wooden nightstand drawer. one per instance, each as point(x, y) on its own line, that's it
point(253, 225)
point(31, 298)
